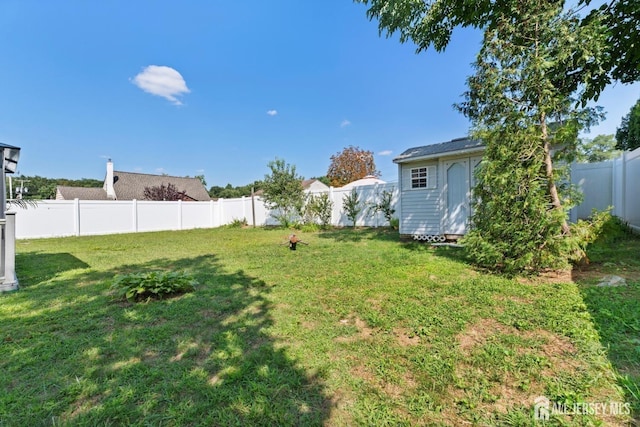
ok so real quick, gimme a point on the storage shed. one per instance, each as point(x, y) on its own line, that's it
point(435, 183)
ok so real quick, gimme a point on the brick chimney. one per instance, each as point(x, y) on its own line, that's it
point(108, 182)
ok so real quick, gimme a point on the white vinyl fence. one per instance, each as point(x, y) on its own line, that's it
point(60, 218)
point(612, 183)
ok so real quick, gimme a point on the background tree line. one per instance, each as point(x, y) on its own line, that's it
point(41, 188)
point(348, 165)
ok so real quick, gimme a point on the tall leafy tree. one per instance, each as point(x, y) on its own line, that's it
point(430, 23)
point(283, 192)
point(202, 179)
point(521, 107)
point(230, 192)
point(45, 188)
point(351, 164)
point(622, 48)
point(628, 134)
point(537, 60)
point(598, 149)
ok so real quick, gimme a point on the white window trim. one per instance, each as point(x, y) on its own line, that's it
point(430, 171)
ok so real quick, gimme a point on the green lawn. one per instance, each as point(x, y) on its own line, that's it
point(357, 328)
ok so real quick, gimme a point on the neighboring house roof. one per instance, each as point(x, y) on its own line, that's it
point(129, 185)
point(455, 146)
point(367, 180)
point(82, 193)
point(314, 184)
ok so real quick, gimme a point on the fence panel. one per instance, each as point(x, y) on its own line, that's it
point(105, 217)
point(603, 184)
point(50, 218)
point(595, 181)
point(158, 216)
point(631, 189)
point(612, 183)
point(196, 215)
point(59, 218)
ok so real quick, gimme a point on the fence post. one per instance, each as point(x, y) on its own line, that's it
point(76, 216)
point(623, 189)
point(376, 196)
point(220, 211)
point(333, 203)
point(10, 250)
point(179, 214)
point(211, 223)
point(134, 212)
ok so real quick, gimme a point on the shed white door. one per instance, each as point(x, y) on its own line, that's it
point(457, 205)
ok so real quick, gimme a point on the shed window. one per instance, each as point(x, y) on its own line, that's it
point(420, 177)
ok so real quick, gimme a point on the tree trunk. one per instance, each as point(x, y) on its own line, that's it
point(551, 184)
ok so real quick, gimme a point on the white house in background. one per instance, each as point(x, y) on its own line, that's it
point(367, 180)
point(435, 183)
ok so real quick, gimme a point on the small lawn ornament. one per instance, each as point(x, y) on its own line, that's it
point(293, 241)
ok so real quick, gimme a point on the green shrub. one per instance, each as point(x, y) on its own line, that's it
point(153, 285)
point(351, 205)
point(384, 205)
point(394, 223)
point(585, 232)
point(318, 209)
point(238, 223)
point(309, 227)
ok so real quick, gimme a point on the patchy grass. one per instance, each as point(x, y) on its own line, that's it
point(616, 310)
point(357, 328)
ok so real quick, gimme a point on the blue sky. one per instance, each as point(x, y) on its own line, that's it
point(222, 88)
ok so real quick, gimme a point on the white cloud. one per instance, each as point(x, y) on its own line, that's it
point(385, 153)
point(345, 123)
point(272, 112)
point(162, 81)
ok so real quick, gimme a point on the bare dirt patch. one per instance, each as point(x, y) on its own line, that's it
point(478, 333)
point(405, 337)
point(508, 386)
point(364, 331)
point(551, 276)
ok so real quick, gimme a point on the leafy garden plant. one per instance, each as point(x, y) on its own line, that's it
point(239, 223)
point(384, 205)
point(318, 208)
point(154, 285)
point(351, 205)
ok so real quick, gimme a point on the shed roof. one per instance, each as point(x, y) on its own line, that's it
point(455, 146)
point(130, 185)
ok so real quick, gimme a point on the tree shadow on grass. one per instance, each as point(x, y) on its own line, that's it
point(40, 267)
point(204, 358)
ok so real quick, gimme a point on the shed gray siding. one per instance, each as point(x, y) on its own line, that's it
point(420, 208)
